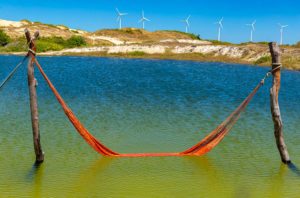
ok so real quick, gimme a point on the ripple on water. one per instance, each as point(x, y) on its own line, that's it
point(146, 106)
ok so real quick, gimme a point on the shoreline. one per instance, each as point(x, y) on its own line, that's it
point(156, 56)
point(140, 43)
point(166, 56)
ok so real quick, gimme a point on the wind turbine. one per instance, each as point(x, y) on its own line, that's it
point(252, 29)
point(119, 18)
point(187, 23)
point(281, 32)
point(143, 19)
point(219, 23)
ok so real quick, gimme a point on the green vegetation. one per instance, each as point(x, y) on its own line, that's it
point(124, 30)
point(26, 21)
point(4, 38)
point(247, 43)
point(297, 45)
point(75, 31)
point(262, 60)
point(75, 41)
point(291, 62)
point(131, 31)
point(58, 43)
point(18, 45)
point(136, 53)
point(49, 44)
point(43, 44)
point(263, 42)
point(37, 23)
point(192, 36)
point(40, 23)
point(216, 42)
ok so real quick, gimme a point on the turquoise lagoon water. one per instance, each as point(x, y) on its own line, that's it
point(135, 105)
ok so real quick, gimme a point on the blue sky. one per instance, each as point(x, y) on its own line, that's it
point(98, 14)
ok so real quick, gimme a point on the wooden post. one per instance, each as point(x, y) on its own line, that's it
point(32, 83)
point(275, 110)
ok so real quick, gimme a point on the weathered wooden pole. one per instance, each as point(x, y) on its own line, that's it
point(32, 83)
point(275, 110)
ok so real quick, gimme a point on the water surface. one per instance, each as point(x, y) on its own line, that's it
point(146, 106)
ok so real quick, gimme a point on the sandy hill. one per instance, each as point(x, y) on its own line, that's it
point(107, 36)
point(135, 42)
point(139, 35)
point(16, 29)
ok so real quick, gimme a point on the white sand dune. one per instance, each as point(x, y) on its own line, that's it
point(6, 23)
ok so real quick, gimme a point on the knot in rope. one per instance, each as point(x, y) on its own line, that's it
point(32, 51)
point(270, 72)
point(29, 45)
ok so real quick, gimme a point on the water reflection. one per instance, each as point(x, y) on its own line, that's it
point(91, 174)
point(294, 168)
point(35, 176)
point(142, 105)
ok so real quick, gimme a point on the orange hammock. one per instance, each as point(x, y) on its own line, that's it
point(202, 147)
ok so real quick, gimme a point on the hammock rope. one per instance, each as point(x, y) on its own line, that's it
point(10, 75)
point(201, 148)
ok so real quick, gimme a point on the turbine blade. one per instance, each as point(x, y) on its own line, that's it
point(118, 11)
point(146, 19)
point(188, 17)
point(141, 20)
point(220, 23)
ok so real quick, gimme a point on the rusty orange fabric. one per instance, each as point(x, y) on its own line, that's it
point(201, 148)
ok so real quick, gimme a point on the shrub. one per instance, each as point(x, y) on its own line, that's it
point(216, 42)
point(298, 44)
point(131, 31)
point(56, 39)
point(55, 43)
point(263, 59)
point(75, 41)
point(44, 46)
point(18, 45)
point(58, 43)
point(136, 53)
point(26, 21)
point(4, 38)
point(191, 35)
point(263, 42)
point(75, 31)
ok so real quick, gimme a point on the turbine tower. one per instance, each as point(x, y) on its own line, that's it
point(187, 23)
point(281, 32)
point(143, 19)
point(219, 23)
point(252, 30)
point(119, 18)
